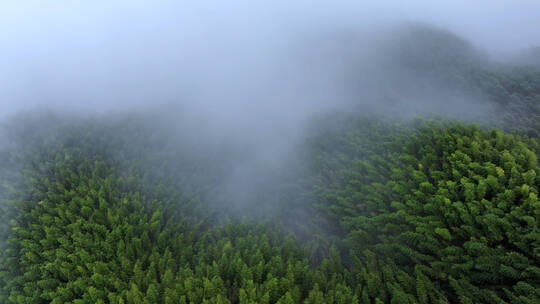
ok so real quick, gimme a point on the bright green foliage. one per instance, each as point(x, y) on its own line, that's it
point(449, 213)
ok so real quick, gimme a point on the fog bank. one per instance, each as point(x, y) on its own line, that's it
point(250, 73)
point(224, 59)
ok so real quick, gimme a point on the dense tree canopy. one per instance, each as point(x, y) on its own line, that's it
point(449, 212)
point(373, 209)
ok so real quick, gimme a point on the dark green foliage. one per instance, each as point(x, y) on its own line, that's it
point(87, 234)
point(429, 213)
point(436, 58)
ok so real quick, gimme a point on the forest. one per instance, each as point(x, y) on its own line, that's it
point(374, 207)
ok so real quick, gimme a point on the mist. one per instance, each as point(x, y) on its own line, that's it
point(249, 74)
point(269, 151)
point(222, 59)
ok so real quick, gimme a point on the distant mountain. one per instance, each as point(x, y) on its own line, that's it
point(431, 49)
point(428, 57)
point(529, 57)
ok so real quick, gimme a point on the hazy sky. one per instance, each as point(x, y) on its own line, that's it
point(98, 55)
point(246, 72)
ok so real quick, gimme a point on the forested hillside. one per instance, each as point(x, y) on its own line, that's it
point(438, 58)
point(372, 208)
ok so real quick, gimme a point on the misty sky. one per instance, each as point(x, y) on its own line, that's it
point(247, 73)
point(223, 57)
